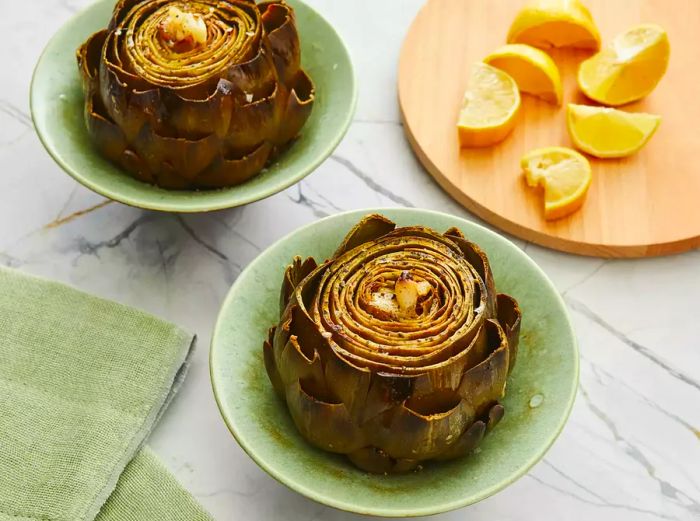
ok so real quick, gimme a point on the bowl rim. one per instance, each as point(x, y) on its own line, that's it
point(317, 495)
point(205, 205)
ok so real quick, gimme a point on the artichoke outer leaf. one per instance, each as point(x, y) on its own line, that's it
point(496, 413)
point(131, 162)
point(254, 76)
point(414, 435)
point(326, 425)
point(449, 375)
point(293, 275)
point(386, 391)
point(298, 109)
point(115, 97)
point(230, 172)
point(147, 109)
point(294, 365)
point(374, 460)
point(466, 443)
point(278, 20)
point(297, 346)
point(454, 232)
point(370, 228)
point(306, 291)
point(257, 121)
point(310, 338)
point(191, 116)
point(476, 257)
point(484, 384)
point(348, 382)
point(271, 365)
point(180, 156)
point(88, 56)
point(106, 135)
point(121, 9)
point(510, 318)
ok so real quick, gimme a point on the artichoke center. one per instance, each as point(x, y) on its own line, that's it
point(407, 299)
point(182, 30)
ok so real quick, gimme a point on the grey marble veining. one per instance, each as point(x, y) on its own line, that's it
point(631, 450)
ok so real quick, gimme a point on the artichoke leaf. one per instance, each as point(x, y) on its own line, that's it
point(293, 275)
point(325, 425)
point(88, 56)
point(421, 432)
point(296, 365)
point(466, 443)
point(348, 382)
point(485, 383)
point(107, 136)
point(496, 413)
point(193, 116)
point(179, 157)
point(510, 317)
point(298, 108)
point(476, 257)
point(280, 27)
point(271, 365)
point(225, 171)
point(370, 228)
point(375, 460)
point(253, 77)
point(256, 121)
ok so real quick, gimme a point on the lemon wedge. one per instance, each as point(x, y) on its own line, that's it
point(490, 107)
point(532, 69)
point(555, 23)
point(629, 68)
point(565, 176)
point(605, 132)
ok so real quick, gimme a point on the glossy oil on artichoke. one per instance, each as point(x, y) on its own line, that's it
point(195, 94)
point(396, 350)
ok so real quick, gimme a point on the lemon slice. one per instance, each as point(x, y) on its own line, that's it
point(490, 107)
point(629, 68)
point(555, 23)
point(532, 69)
point(565, 176)
point(606, 132)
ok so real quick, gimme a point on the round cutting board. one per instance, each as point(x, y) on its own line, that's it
point(644, 205)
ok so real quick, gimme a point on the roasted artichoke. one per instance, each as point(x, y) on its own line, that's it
point(195, 94)
point(396, 350)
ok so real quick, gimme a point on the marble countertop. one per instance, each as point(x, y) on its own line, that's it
point(631, 450)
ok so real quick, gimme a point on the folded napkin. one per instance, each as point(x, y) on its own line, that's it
point(82, 383)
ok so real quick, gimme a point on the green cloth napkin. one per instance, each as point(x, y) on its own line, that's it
point(82, 383)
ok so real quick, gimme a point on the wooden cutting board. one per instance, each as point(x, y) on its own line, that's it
point(648, 204)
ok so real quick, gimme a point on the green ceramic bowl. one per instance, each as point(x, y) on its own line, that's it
point(540, 393)
point(57, 110)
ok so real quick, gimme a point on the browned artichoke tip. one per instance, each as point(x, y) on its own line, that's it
point(396, 350)
point(195, 94)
